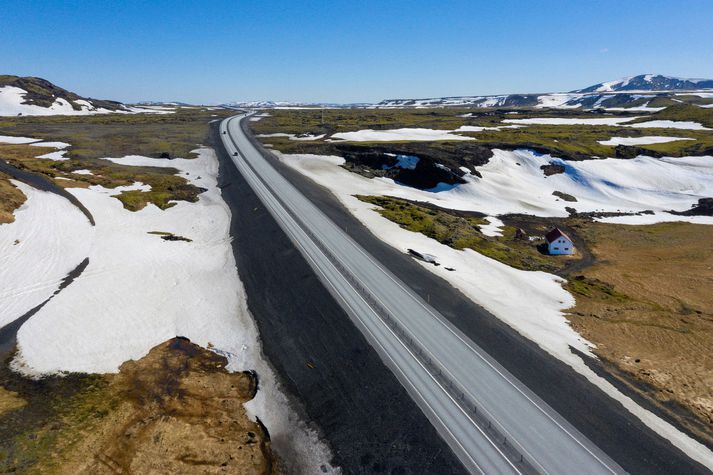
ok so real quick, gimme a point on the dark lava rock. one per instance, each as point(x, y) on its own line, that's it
point(434, 166)
point(173, 237)
point(623, 151)
point(703, 208)
point(564, 196)
point(552, 169)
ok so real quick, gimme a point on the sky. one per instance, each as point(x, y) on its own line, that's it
point(348, 51)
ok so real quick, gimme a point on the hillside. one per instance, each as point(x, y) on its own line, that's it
point(37, 96)
point(646, 92)
point(650, 82)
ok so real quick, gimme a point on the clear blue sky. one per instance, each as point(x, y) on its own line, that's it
point(345, 51)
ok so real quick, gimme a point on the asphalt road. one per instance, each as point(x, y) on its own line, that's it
point(492, 422)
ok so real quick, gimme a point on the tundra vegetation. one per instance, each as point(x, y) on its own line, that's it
point(572, 142)
point(162, 136)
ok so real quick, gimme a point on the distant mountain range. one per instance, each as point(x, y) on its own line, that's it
point(644, 92)
point(290, 105)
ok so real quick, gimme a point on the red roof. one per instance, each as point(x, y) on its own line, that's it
point(556, 233)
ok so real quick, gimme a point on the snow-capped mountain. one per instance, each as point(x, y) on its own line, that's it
point(650, 82)
point(634, 93)
point(37, 96)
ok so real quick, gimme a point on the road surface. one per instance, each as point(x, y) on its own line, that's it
point(493, 423)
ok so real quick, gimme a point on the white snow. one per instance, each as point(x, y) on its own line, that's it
point(52, 240)
point(704, 95)
point(609, 86)
point(398, 135)
point(293, 136)
point(57, 145)
point(644, 108)
point(477, 128)
point(660, 217)
point(16, 140)
point(12, 98)
point(140, 290)
point(83, 172)
point(612, 185)
point(558, 101)
point(670, 124)
point(572, 121)
point(609, 121)
point(493, 228)
point(58, 156)
point(530, 302)
point(640, 140)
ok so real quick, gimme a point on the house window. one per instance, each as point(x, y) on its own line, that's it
point(566, 249)
point(557, 249)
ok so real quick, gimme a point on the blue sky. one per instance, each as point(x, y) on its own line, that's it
point(347, 51)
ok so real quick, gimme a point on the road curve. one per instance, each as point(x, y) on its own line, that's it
point(492, 422)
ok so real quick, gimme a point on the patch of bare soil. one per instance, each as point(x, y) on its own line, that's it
point(648, 306)
point(11, 198)
point(176, 410)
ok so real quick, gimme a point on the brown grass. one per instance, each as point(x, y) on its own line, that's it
point(11, 198)
point(656, 324)
point(9, 401)
point(176, 410)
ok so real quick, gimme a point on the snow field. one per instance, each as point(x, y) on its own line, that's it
point(395, 135)
point(140, 290)
point(640, 140)
point(47, 240)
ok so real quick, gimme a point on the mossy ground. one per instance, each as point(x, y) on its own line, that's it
point(580, 142)
point(114, 135)
point(461, 231)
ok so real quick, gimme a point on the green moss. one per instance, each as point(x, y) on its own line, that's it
point(54, 418)
point(463, 232)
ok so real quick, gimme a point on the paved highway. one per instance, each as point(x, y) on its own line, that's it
point(493, 423)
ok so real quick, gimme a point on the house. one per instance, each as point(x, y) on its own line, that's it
point(558, 243)
point(521, 234)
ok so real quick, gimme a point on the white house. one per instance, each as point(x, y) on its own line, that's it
point(558, 243)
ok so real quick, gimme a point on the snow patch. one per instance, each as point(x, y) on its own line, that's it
point(640, 140)
point(572, 121)
point(493, 228)
point(660, 217)
point(84, 172)
point(398, 135)
point(670, 124)
point(47, 240)
point(16, 140)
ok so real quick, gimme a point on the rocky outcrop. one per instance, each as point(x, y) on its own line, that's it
point(703, 208)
